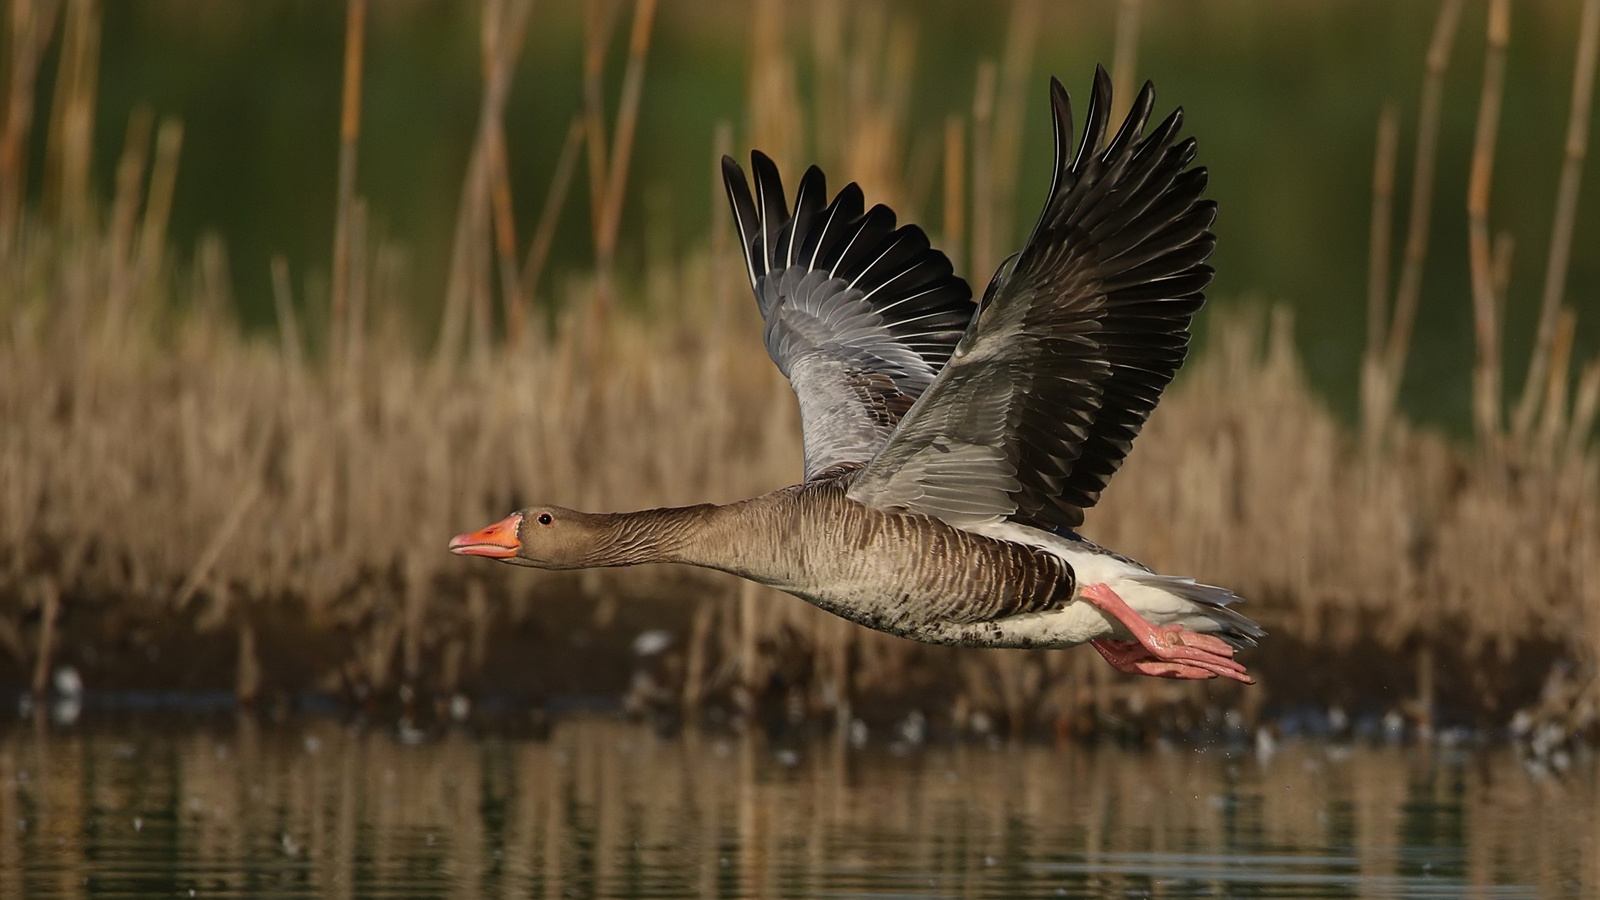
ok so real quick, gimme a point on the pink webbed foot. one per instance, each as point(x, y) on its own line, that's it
point(1133, 658)
point(1162, 651)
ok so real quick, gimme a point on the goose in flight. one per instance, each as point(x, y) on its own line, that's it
point(951, 448)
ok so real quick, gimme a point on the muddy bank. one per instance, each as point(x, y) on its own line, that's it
point(645, 651)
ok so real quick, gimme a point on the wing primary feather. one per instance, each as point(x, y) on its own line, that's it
point(933, 287)
point(1077, 336)
point(1094, 127)
point(873, 220)
point(744, 211)
point(885, 251)
point(901, 238)
point(1133, 125)
point(858, 315)
point(813, 188)
point(845, 208)
point(1061, 117)
point(770, 200)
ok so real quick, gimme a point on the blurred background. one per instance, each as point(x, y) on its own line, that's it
point(1283, 97)
point(292, 291)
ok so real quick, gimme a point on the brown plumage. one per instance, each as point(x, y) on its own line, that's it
point(951, 447)
point(813, 541)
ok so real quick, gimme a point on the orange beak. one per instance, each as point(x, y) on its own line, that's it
point(498, 541)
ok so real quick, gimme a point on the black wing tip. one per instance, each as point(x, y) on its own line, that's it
point(764, 211)
point(885, 212)
point(1061, 112)
point(1096, 118)
point(733, 174)
point(766, 172)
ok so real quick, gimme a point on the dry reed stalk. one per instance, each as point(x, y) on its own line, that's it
point(1374, 392)
point(983, 193)
point(505, 242)
point(358, 240)
point(503, 46)
point(247, 674)
point(772, 102)
point(1379, 247)
point(955, 187)
point(608, 165)
point(500, 42)
point(49, 611)
point(1557, 379)
point(599, 20)
point(124, 219)
point(1125, 58)
point(693, 693)
point(1408, 293)
point(288, 323)
point(1566, 213)
point(158, 205)
point(1500, 268)
point(1486, 321)
point(550, 215)
point(829, 88)
point(459, 285)
point(1010, 113)
point(355, 29)
point(70, 145)
point(870, 91)
point(466, 292)
point(1585, 404)
point(31, 21)
point(247, 496)
point(721, 228)
point(621, 152)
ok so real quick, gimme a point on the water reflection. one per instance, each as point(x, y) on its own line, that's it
point(605, 809)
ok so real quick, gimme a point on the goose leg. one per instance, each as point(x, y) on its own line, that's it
point(1164, 651)
point(1133, 658)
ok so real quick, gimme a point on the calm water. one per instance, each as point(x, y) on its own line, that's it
point(605, 809)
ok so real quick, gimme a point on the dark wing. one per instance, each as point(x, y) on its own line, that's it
point(1074, 341)
point(860, 315)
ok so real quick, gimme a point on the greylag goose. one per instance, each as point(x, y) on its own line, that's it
point(951, 448)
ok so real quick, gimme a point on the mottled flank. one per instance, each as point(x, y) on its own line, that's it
point(897, 572)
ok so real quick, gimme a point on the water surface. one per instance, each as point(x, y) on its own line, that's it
point(606, 809)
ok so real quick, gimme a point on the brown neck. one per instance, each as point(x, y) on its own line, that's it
point(684, 534)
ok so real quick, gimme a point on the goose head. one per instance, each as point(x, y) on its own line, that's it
point(545, 537)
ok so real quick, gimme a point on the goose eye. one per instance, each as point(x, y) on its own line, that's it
point(544, 519)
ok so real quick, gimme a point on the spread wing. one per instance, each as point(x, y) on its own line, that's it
point(1074, 341)
point(860, 315)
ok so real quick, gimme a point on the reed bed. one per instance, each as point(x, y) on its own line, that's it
point(207, 476)
point(163, 473)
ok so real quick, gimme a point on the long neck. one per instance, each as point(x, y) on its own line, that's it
point(702, 535)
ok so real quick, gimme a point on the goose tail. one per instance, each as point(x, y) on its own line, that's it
point(1208, 610)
